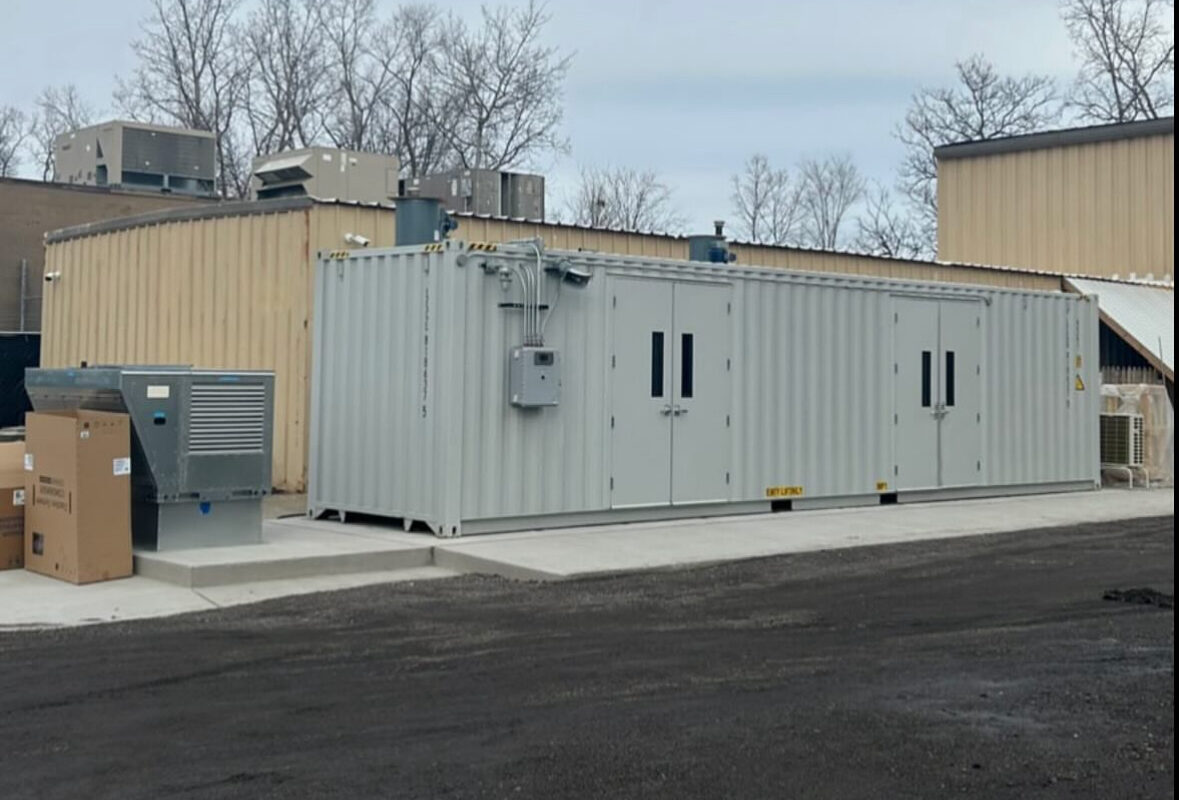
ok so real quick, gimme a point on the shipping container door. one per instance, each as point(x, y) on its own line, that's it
point(641, 397)
point(700, 394)
point(960, 392)
point(915, 386)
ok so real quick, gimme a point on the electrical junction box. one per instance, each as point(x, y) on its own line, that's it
point(534, 377)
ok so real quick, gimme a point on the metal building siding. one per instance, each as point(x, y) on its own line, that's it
point(1100, 208)
point(231, 292)
point(811, 390)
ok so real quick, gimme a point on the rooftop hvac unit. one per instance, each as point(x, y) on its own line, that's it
point(327, 174)
point(1122, 439)
point(201, 442)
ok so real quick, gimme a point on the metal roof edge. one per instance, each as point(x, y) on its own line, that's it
point(223, 209)
point(1057, 138)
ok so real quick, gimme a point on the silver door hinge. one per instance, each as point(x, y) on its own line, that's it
point(978, 417)
point(896, 470)
point(728, 421)
point(978, 466)
point(611, 423)
point(896, 317)
point(729, 364)
point(611, 483)
point(613, 362)
point(726, 477)
point(896, 368)
point(896, 419)
point(615, 301)
point(730, 308)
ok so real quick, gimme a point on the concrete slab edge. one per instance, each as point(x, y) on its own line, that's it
point(467, 563)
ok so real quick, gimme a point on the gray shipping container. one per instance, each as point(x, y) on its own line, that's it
point(683, 389)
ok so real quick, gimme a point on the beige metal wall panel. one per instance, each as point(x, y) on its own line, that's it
point(229, 292)
point(877, 267)
point(571, 237)
point(1102, 208)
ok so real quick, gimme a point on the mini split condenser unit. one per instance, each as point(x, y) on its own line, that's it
point(1122, 439)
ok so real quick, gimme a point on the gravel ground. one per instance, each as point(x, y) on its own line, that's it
point(982, 667)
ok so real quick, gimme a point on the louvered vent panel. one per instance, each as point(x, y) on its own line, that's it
point(227, 418)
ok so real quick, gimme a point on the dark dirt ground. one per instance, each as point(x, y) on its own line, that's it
point(982, 667)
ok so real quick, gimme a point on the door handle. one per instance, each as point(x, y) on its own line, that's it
point(680, 411)
point(667, 410)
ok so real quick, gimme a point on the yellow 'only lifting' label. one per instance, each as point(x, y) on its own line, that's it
point(783, 491)
point(882, 486)
point(1079, 385)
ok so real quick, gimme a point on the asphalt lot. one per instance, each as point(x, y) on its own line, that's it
point(985, 667)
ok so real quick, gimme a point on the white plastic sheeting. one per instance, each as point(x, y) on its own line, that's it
point(1158, 423)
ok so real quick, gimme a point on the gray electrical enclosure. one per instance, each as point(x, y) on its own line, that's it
point(680, 388)
point(534, 377)
point(201, 442)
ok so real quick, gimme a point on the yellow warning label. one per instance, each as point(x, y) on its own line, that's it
point(433, 248)
point(783, 491)
point(484, 246)
point(882, 486)
point(1077, 361)
point(338, 255)
point(1079, 385)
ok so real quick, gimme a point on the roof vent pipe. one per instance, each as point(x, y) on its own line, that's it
point(711, 247)
point(421, 220)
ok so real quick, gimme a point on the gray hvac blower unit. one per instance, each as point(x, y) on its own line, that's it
point(200, 451)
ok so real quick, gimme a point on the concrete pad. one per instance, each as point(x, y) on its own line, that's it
point(28, 600)
point(561, 554)
point(31, 601)
point(291, 548)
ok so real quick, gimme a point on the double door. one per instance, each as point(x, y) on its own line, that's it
point(937, 387)
point(670, 388)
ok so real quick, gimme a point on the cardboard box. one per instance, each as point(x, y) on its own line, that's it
point(78, 495)
point(12, 505)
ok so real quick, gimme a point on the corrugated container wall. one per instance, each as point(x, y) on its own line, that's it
point(225, 292)
point(793, 381)
point(1103, 208)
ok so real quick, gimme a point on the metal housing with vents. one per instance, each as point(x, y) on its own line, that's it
point(201, 441)
point(138, 156)
point(687, 388)
point(1122, 440)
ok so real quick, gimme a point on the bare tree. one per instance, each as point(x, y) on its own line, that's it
point(767, 202)
point(12, 137)
point(285, 58)
point(830, 188)
point(504, 88)
point(190, 73)
point(983, 105)
point(359, 75)
point(625, 198)
point(884, 230)
point(419, 109)
point(60, 109)
point(1127, 51)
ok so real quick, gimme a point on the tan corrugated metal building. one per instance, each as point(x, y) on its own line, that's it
point(231, 287)
point(30, 209)
point(1093, 201)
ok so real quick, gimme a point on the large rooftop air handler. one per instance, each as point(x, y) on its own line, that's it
point(201, 440)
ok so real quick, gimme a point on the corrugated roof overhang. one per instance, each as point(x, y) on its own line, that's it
point(1143, 315)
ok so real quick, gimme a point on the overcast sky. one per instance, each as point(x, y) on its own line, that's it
point(685, 87)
